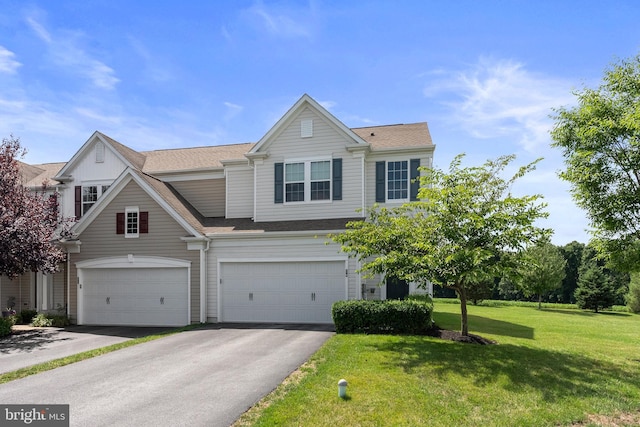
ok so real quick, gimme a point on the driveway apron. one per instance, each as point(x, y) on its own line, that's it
point(203, 377)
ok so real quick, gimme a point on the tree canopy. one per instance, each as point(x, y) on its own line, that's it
point(600, 142)
point(542, 269)
point(28, 220)
point(455, 235)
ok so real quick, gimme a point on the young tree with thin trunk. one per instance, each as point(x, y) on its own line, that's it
point(455, 235)
point(542, 270)
point(28, 220)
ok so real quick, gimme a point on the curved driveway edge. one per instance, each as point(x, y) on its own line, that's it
point(207, 376)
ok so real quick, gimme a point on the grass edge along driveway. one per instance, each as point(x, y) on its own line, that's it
point(551, 367)
point(63, 361)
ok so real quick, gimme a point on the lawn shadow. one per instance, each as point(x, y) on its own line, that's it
point(554, 375)
point(485, 325)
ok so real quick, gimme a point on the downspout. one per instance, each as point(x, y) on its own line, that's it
point(67, 277)
point(203, 282)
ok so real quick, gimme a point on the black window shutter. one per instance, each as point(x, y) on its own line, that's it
point(380, 181)
point(78, 201)
point(144, 222)
point(415, 181)
point(120, 223)
point(279, 183)
point(337, 179)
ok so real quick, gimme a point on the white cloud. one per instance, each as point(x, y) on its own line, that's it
point(497, 98)
point(232, 110)
point(328, 105)
point(66, 52)
point(280, 23)
point(7, 62)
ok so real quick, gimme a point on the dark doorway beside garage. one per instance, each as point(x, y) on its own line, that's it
point(397, 288)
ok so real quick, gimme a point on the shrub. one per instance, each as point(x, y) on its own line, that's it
point(5, 326)
point(411, 316)
point(44, 320)
point(41, 320)
point(59, 321)
point(26, 316)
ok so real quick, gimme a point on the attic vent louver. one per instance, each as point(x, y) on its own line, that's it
point(306, 128)
point(99, 152)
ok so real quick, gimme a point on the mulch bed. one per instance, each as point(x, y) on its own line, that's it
point(450, 335)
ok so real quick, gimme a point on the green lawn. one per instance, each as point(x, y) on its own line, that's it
point(551, 367)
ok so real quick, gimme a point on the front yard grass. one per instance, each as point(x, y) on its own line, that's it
point(552, 367)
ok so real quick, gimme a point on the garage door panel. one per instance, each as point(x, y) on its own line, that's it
point(135, 296)
point(297, 292)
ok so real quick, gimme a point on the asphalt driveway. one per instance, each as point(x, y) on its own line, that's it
point(204, 377)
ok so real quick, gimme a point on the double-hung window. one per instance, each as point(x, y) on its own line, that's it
point(90, 195)
point(307, 181)
point(397, 180)
point(132, 222)
point(294, 178)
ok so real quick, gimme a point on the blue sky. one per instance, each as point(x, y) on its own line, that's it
point(158, 74)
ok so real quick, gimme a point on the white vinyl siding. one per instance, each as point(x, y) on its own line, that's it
point(239, 193)
point(99, 240)
point(327, 143)
point(206, 195)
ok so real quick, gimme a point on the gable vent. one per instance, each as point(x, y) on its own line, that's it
point(99, 152)
point(306, 128)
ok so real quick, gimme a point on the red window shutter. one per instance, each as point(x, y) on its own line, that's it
point(78, 201)
point(144, 222)
point(120, 223)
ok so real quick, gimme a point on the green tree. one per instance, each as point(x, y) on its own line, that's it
point(455, 235)
point(572, 253)
point(600, 142)
point(633, 296)
point(541, 269)
point(598, 287)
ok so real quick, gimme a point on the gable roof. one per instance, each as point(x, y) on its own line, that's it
point(129, 157)
point(303, 102)
point(162, 193)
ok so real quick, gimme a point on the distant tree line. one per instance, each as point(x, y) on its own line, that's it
point(585, 280)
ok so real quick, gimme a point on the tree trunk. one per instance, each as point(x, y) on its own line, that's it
point(539, 301)
point(462, 293)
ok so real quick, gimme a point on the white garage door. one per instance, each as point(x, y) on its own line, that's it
point(288, 292)
point(135, 296)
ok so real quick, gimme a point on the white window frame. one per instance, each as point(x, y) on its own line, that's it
point(307, 179)
point(408, 181)
point(101, 188)
point(127, 233)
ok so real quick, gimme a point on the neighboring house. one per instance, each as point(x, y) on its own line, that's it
point(229, 233)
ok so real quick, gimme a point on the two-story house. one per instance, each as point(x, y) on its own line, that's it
point(228, 233)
